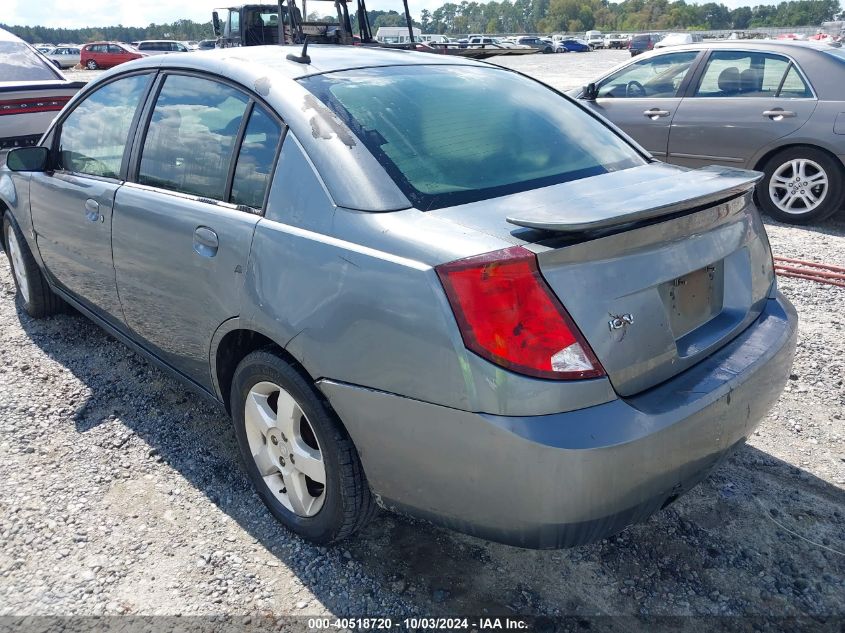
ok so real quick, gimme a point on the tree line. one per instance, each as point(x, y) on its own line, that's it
point(547, 16)
point(507, 16)
point(178, 30)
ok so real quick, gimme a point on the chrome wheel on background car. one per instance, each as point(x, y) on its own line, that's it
point(91, 64)
point(285, 449)
point(801, 185)
point(18, 266)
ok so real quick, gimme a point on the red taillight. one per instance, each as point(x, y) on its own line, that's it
point(507, 314)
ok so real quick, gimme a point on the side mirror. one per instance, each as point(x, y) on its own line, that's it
point(215, 20)
point(590, 92)
point(28, 159)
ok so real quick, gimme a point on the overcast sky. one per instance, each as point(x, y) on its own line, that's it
point(142, 12)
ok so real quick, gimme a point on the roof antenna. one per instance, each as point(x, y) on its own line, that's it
point(304, 57)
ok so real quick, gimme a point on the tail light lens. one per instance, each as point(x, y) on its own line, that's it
point(508, 314)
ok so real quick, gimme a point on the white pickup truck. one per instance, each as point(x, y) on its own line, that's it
point(616, 40)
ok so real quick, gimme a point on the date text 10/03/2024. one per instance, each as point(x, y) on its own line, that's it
point(414, 624)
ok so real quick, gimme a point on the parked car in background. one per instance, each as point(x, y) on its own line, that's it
point(642, 43)
point(575, 45)
point(616, 40)
point(207, 45)
point(559, 47)
point(776, 107)
point(594, 39)
point(161, 47)
point(562, 370)
point(676, 39)
point(191, 45)
point(32, 92)
point(494, 42)
point(541, 44)
point(107, 54)
point(64, 56)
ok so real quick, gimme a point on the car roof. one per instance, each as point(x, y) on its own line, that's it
point(784, 46)
point(272, 60)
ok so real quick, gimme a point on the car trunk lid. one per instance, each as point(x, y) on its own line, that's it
point(658, 266)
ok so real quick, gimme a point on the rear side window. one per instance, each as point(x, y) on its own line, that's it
point(793, 86)
point(749, 74)
point(256, 159)
point(18, 62)
point(93, 137)
point(191, 136)
point(423, 124)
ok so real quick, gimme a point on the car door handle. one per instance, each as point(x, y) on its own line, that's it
point(656, 113)
point(92, 210)
point(778, 114)
point(205, 242)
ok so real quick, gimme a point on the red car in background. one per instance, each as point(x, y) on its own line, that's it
point(107, 54)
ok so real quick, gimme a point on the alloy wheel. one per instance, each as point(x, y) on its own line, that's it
point(798, 186)
point(17, 264)
point(285, 449)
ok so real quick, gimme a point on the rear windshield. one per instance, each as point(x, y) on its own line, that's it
point(18, 62)
point(454, 134)
point(641, 38)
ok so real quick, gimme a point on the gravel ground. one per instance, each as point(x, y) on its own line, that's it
point(122, 494)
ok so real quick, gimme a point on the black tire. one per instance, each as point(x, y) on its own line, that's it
point(42, 302)
point(547, 50)
point(348, 504)
point(91, 65)
point(834, 197)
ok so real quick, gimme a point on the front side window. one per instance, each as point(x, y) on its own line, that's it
point(423, 124)
point(656, 77)
point(113, 49)
point(18, 62)
point(191, 136)
point(746, 74)
point(94, 136)
point(256, 159)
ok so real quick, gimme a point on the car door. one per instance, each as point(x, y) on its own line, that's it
point(642, 97)
point(742, 101)
point(72, 204)
point(182, 231)
point(118, 55)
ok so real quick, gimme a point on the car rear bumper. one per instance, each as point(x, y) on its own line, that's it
point(571, 478)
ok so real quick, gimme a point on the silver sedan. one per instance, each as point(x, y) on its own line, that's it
point(777, 107)
point(415, 281)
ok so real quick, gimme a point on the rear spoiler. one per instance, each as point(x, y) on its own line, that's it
point(624, 197)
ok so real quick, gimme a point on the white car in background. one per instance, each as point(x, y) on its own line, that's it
point(32, 91)
point(677, 39)
point(64, 56)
